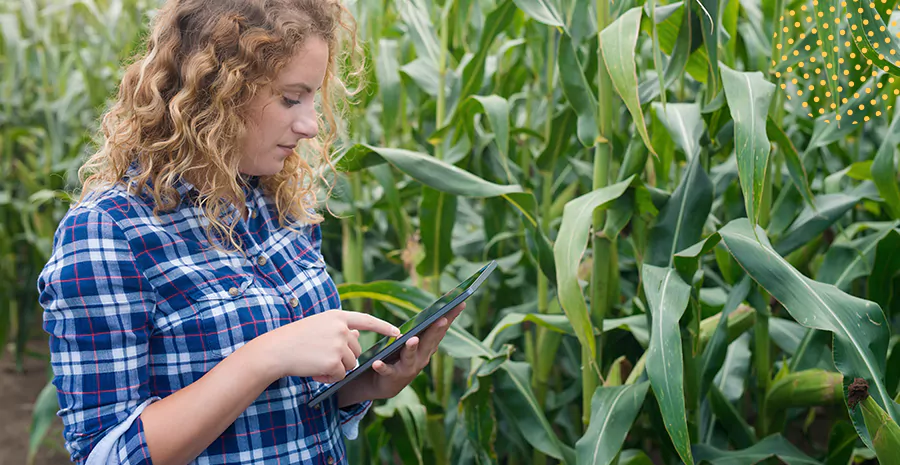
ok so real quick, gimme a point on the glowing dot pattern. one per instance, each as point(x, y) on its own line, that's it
point(805, 63)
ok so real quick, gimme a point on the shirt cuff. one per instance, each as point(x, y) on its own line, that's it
point(125, 443)
point(351, 416)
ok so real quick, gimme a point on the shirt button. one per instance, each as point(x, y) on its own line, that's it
point(330, 460)
point(253, 215)
point(233, 291)
point(294, 302)
point(262, 260)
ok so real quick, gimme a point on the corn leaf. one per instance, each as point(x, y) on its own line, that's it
point(795, 166)
point(407, 406)
point(772, 446)
point(709, 18)
point(714, 355)
point(567, 251)
point(45, 408)
point(517, 401)
point(841, 442)
point(544, 11)
point(859, 326)
point(684, 124)
point(618, 42)
point(884, 168)
point(812, 221)
point(578, 90)
point(473, 73)
point(667, 296)
point(749, 96)
point(438, 212)
point(415, 15)
point(739, 432)
point(846, 261)
point(680, 221)
point(387, 71)
point(613, 410)
point(885, 270)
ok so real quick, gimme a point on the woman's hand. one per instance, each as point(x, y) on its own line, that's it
point(323, 346)
point(415, 355)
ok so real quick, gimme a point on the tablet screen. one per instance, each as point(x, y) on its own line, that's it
point(409, 329)
point(421, 317)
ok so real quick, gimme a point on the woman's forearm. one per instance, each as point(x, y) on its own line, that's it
point(181, 426)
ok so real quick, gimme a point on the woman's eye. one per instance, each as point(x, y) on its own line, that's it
point(288, 102)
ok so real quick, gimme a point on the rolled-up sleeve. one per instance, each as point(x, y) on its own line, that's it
point(351, 416)
point(98, 309)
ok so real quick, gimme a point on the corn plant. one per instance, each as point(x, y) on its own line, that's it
point(694, 206)
point(60, 62)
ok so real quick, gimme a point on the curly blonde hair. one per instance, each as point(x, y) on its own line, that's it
point(182, 106)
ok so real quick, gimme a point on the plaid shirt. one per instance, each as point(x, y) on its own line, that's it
point(137, 308)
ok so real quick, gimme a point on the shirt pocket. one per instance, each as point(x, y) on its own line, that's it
point(229, 314)
point(310, 282)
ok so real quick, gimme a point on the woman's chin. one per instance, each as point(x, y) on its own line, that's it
point(272, 168)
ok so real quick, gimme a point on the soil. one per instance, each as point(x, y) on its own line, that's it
point(18, 391)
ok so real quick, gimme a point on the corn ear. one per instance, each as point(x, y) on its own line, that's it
point(883, 430)
point(804, 389)
point(739, 321)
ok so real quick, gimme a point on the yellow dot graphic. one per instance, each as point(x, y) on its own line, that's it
point(848, 68)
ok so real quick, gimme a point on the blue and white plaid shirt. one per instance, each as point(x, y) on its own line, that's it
point(138, 308)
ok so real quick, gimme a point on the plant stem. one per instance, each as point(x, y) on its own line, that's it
point(441, 364)
point(541, 372)
point(762, 356)
point(603, 247)
point(547, 341)
point(690, 354)
point(351, 252)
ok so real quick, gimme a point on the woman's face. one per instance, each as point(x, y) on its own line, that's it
point(278, 121)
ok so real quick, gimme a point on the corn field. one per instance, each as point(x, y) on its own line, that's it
point(694, 206)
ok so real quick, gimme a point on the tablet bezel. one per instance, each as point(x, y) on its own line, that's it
point(388, 351)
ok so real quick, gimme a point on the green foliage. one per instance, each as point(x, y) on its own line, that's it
point(690, 267)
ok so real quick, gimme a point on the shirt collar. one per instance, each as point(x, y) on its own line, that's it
point(181, 185)
point(187, 191)
point(184, 187)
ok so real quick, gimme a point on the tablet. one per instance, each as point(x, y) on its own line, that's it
point(388, 348)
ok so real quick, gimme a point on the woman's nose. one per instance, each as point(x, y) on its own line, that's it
point(306, 125)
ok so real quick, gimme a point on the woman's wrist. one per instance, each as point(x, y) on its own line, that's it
point(361, 389)
point(264, 366)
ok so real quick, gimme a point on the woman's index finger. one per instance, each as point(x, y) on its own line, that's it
point(368, 322)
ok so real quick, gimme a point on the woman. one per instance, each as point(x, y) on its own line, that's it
point(189, 311)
